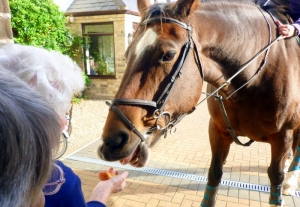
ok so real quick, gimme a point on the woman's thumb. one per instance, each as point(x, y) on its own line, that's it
point(125, 174)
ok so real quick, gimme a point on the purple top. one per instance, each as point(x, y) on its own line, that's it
point(70, 194)
point(295, 6)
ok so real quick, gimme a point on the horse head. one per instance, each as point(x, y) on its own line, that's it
point(160, 62)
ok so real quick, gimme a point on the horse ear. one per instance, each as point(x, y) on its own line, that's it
point(183, 8)
point(143, 5)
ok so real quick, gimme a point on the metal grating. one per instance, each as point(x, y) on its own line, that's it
point(186, 176)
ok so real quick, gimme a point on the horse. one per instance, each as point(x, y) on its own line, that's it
point(253, 88)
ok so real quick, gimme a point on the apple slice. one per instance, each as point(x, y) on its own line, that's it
point(105, 176)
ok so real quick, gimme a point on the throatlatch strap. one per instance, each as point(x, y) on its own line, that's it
point(209, 198)
point(275, 196)
point(228, 125)
point(295, 165)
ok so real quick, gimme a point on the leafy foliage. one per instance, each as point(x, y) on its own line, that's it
point(86, 79)
point(79, 97)
point(40, 23)
point(101, 64)
point(75, 47)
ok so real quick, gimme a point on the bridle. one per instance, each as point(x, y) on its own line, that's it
point(174, 75)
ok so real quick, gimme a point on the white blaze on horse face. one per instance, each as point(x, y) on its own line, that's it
point(148, 39)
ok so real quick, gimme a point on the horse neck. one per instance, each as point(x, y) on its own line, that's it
point(228, 36)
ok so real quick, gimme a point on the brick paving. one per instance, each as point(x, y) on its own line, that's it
point(187, 151)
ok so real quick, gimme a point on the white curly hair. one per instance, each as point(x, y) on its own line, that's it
point(54, 75)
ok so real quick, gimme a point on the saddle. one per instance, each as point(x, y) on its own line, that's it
point(279, 9)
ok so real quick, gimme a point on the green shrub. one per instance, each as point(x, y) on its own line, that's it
point(40, 23)
point(78, 98)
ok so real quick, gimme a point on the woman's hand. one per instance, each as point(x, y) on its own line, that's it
point(115, 184)
point(286, 30)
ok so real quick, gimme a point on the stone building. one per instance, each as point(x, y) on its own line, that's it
point(107, 27)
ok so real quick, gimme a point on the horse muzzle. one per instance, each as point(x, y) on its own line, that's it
point(136, 155)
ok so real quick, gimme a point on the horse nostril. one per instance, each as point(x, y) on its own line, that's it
point(119, 140)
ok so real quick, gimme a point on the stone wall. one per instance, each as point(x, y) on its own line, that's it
point(6, 35)
point(106, 88)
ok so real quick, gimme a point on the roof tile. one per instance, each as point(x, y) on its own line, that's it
point(101, 5)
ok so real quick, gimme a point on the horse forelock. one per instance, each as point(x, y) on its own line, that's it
point(156, 10)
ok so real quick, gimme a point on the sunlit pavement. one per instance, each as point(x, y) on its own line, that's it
point(176, 174)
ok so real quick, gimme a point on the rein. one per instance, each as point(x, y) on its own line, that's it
point(175, 74)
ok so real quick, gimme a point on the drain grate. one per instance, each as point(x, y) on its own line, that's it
point(186, 176)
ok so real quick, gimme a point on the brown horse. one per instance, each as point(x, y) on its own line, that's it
point(175, 49)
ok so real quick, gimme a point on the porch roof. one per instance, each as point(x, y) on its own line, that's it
point(87, 6)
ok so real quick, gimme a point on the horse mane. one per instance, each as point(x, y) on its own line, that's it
point(162, 9)
point(283, 13)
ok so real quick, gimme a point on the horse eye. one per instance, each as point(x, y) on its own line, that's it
point(169, 56)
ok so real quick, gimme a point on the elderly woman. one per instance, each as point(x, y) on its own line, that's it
point(57, 78)
point(29, 130)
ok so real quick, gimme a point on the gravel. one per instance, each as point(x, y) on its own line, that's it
point(88, 119)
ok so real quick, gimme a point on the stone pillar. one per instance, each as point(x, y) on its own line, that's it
point(6, 35)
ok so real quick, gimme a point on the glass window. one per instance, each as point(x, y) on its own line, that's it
point(100, 55)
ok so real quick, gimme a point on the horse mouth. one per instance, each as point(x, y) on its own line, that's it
point(138, 158)
point(133, 158)
point(141, 155)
